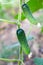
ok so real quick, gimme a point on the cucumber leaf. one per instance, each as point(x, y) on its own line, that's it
point(38, 61)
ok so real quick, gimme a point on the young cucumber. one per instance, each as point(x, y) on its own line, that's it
point(28, 14)
point(23, 41)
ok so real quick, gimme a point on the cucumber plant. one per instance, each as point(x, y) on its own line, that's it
point(20, 16)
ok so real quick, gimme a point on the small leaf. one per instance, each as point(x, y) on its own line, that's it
point(22, 16)
point(38, 61)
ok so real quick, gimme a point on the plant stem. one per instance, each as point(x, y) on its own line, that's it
point(3, 20)
point(19, 14)
point(10, 60)
point(21, 56)
point(19, 20)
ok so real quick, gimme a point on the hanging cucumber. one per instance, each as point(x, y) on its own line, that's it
point(23, 41)
point(28, 14)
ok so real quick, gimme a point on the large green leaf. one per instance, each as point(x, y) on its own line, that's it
point(35, 5)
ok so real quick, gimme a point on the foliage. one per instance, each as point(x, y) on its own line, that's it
point(8, 10)
point(38, 61)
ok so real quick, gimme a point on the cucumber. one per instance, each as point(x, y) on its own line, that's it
point(23, 41)
point(28, 14)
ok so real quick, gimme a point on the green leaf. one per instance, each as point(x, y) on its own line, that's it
point(38, 61)
point(35, 5)
point(22, 16)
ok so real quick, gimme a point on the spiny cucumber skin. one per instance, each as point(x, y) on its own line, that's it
point(28, 14)
point(23, 41)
